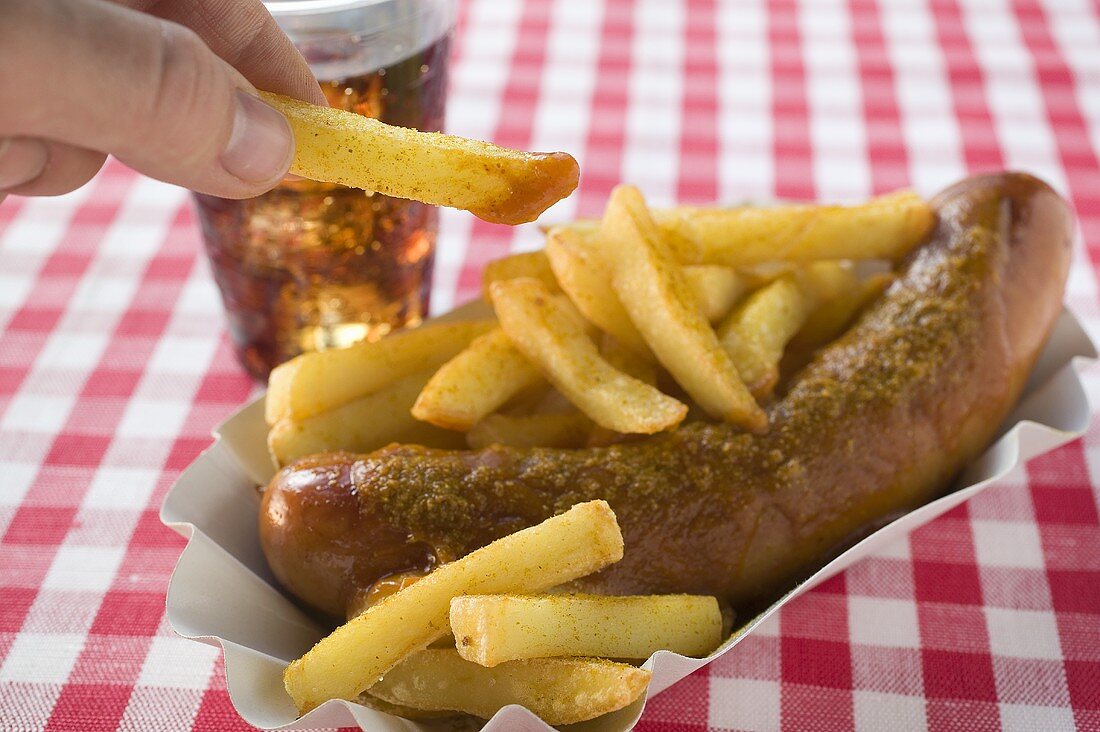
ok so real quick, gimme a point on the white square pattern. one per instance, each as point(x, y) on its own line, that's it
point(104, 293)
point(14, 290)
point(174, 355)
point(1023, 633)
point(37, 413)
point(1007, 544)
point(1026, 718)
point(16, 480)
point(68, 350)
point(177, 663)
point(76, 568)
point(883, 622)
point(120, 488)
point(747, 704)
point(875, 710)
point(153, 419)
point(40, 658)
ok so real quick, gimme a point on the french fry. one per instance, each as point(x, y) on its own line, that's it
point(756, 332)
point(717, 289)
point(316, 382)
point(685, 250)
point(525, 264)
point(825, 281)
point(490, 630)
point(557, 690)
point(585, 278)
point(496, 184)
point(887, 227)
point(827, 322)
point(580, 541)
point(651, 287)
point(553, 429)
point(475, 383)
point(541, 327)
point(631, 364)
point(361, 425)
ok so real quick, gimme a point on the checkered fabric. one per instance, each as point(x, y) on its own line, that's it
point(114, 363)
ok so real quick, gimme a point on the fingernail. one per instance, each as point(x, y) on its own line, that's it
point(22, 159)
point(261, 144)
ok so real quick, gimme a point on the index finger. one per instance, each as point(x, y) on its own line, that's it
point(246, 36)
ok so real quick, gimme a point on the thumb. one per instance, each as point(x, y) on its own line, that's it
point(146, 90)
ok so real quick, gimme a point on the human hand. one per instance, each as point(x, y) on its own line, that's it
point(166, 86)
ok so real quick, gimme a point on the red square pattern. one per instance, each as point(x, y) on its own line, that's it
point(110, 383)
point(1077, 592)
point(14, 604)
point(947, 582)
point(812, 662)
point(42, 525)
point(91, 707)
point(80, 450)
point(129, 613)
point(952, 675)
point(686, 709)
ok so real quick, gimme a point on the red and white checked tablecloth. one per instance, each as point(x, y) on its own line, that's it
point(114, 363)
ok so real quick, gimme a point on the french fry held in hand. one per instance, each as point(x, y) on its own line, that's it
point(496, 184)
point(551, 429)
point(525, 264)
point(558, 690)
point(540, 327)
point(887, 227)
point(475, 383)
point(580, 541)
point(316, 382)
point(490, 630)
point(651, 286)
point(361, 425)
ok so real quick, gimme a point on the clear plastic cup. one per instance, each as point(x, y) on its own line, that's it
point(310, 265)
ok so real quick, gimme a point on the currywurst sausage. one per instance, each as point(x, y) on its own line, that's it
point(878, 423)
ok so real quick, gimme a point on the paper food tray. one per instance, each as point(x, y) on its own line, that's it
point(222, 592)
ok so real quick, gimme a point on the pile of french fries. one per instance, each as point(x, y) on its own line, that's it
point(625, 326)
point(476, 635)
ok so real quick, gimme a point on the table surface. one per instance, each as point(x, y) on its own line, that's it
point(114, 362)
